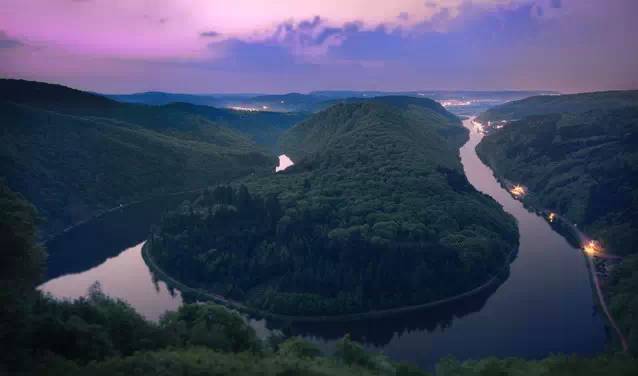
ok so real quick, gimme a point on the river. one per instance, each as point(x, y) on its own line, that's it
point(545, 306)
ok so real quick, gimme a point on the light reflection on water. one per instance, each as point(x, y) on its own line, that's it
point(123, 277)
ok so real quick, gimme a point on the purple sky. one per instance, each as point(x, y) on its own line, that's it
point(205, 46)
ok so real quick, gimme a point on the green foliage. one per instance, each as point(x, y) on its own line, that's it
point(623, 299)
point(75, 154)
point(352, 353)
point(582, 166)
point(384, 192)
point(91, 328)
point(324, 128)
point(211, 326)
point(21, 266)
point(263, 127)
point(203, 362)
point(298, 347)
point(555, 104)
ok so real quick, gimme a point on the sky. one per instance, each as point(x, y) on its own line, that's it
point(259, 46)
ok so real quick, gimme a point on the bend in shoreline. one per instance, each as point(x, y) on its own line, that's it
point(165, 277)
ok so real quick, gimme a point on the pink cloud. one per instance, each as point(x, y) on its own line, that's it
point(171, 29)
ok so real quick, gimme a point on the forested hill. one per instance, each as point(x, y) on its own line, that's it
point(314, 134)
point(555, 104)
point(583, 166)
point(74, 154)
point(377, 215)
point(188, 121)
point(263, 127)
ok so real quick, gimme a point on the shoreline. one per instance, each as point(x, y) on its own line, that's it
point(569, 234)
point(104, 212)
point(229, 303)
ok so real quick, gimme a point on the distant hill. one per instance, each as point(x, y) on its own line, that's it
point(376, 213)
point(554, 104)
point(74, 154)
point(159, 98)
point(291, 102)
point(263, 127)
point(466, 102)
point(186, 121)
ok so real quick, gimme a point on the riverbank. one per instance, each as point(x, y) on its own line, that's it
point(576, 238)
point(104, 212)
point(207, 295)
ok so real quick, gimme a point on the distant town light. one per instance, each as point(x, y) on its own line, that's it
point(551, 217)
point(478, 126)
point(456, 103)
point(242, 108)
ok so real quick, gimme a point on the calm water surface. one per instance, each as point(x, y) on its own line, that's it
point(545, 306)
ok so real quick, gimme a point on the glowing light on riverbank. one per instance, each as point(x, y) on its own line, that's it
point(551, 217)
point(518, 191)
point(592, 247)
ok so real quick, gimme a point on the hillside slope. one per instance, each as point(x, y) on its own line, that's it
point(327, 126)
point(555, 104)
point(74, 154)
point(583, 166)
point(221, 127)
point(263, 127)
point(376, 191)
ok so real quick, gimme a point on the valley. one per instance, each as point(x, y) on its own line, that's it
point(534, 294)
point(366, 179)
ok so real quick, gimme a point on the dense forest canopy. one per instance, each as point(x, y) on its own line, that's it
point(583, 166)
point(74, 154)
point(308, 137)
point(555, 104)
point(379, 189)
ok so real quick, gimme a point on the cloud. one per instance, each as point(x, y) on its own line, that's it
point(258, 45)
point(209, 34)
point(7, 42)
point(310, 38)
point(128, 28)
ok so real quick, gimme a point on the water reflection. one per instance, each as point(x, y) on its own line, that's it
point(91, 243)
point(380, 331)
point(123, 277)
